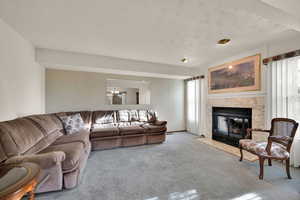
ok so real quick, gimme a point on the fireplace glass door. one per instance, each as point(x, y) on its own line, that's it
point(230, 124)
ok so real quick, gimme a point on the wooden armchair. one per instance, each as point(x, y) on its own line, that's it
point(278, 146)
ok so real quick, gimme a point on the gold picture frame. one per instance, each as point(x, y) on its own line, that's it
point(238, 76)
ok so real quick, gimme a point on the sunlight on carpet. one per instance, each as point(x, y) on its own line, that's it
point(187, 195)
point(228, 148)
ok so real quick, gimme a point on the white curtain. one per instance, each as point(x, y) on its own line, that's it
point(283, 99)
point(195, 106)
point(192, 106)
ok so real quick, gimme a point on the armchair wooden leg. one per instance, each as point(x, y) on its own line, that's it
point(261, 165)
point(270, 162)
point(241, 150)
point(287, 165)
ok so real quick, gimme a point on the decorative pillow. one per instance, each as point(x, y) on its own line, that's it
point(72, 123)
point(143, 116)
point(123, 115)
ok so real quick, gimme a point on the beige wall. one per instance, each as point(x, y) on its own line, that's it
point(73, 90)
point(265, 50)
point(21, 78)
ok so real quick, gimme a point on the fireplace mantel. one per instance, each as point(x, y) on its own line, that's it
point(257, 103)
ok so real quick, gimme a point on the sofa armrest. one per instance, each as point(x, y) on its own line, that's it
point(160, 123)
point(44, 160)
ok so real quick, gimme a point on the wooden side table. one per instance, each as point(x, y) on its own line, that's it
point(17, 180)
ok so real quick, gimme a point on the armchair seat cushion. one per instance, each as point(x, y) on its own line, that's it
point(132, 130)
point(259, 148)
point(73, 152)
point(104, 132)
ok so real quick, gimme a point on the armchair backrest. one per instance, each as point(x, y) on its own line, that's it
point(284, 128)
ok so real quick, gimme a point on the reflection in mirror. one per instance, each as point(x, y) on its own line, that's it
point(127, 92)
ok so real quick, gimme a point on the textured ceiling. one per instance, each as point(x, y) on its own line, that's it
point(289, 6)
point(156, 31)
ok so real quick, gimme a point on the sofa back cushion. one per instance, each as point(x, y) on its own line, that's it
point(143, 115)
point(133, 115)
point(2, 153)
point(57, 121)
point(123, 116)
point(44, 142)
point(103, 117)
point(152, 116)
point(18, 136)
point(51, 127)
point(49, 123)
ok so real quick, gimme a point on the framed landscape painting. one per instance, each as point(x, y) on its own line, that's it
point(238, 76)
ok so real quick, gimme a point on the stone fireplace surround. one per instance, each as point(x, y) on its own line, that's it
point(257, 103)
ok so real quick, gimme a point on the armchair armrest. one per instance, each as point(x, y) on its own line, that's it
point(44, 160)
point(279, 138)
point(160, 123)
point(249, 132)
point(284, 140)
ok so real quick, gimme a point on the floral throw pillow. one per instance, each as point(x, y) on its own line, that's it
point(72, 123)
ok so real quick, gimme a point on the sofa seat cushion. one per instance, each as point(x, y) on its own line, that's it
point(124, 124)
point(132, 130)
point(74, 151)
point(104, 132)
point(82, 136)
point(154, 128)
point(137, 123)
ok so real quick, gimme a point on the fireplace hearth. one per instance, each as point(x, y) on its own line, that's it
point(229, 125)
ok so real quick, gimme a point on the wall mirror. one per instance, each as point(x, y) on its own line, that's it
point(127, 92)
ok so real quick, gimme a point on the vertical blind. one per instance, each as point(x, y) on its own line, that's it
point(283, 88)
point(196, 109)
point(283, 95)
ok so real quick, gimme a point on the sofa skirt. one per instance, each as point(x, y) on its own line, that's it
point(127, 141)
point(134, 140)
point(106, 143)
point(156, 138)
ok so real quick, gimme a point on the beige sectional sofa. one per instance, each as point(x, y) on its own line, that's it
point(62, 157)
point(111, 129)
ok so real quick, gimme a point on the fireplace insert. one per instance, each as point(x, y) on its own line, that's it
point(229, 125)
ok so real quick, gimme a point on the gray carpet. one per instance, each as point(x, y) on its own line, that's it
point(180, 169)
